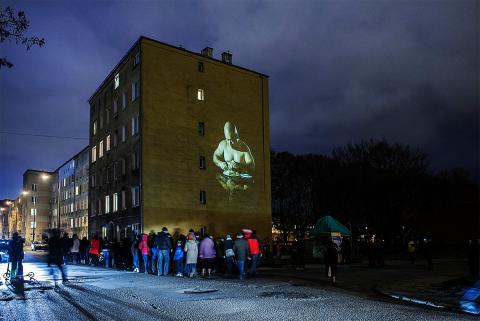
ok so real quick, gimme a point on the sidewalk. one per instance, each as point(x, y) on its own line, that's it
point(441, 287)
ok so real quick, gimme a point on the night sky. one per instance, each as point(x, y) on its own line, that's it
point(340, 72)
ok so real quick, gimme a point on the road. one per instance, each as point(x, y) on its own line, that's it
point(107, 294)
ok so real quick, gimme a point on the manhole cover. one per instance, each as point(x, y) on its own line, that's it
point(285, 295)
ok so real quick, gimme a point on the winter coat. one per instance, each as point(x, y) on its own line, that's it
point(95, 247)
point(76, 246)
point(54, 248)
point(241, 249)
point(254, 246)
point(15, 249)
point(331, 254)
point(207, 249)
point(191, 248)
point(163, 241)
point(143, 246)
point(178, 255)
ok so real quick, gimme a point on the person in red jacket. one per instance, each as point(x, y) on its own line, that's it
point(255, 252)
point(94, 250)
point(143, 247)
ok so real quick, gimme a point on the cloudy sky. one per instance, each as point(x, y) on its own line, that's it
point(340, 71)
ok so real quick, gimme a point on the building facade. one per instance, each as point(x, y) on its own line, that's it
point(6, 206)
point(34, 205)
point(179, 139)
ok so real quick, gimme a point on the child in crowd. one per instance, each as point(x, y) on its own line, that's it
point(178, 259)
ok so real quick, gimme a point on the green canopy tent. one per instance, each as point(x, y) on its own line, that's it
point(328, 224)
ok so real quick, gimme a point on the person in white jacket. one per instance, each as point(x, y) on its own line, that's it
point(75, 249)
point(191, 250)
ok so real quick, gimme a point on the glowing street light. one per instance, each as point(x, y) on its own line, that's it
point(44, 177)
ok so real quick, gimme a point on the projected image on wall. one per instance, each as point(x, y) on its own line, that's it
point(234, 159)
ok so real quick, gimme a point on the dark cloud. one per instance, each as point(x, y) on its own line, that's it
point(340, 71)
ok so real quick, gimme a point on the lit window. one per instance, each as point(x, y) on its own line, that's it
point(77, 190)
point(107, 142)
point(100, 149)
point(202, 162)
point(71, 208)
point(33, 211)
point(115, 202)
point(203, 197)
point(124, 199)
point(201, 128)
point(124, 100)
point(117, 81)
point(134, 125)
point(124, 134)
point(135, 196)
point(33, 224)
point(94, 154)
point(135, 90)
point(200, 95)
point(107, 204)
point(94, 127)
point(136, 59)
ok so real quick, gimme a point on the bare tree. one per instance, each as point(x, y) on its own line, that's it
point(12, 28)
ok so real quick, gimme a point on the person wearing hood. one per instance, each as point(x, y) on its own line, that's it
point(144, 249)
point(15, 252)
point(191, 250)
point(241, 250)
point(229, 254)
point(207, 254)
point(163, 243)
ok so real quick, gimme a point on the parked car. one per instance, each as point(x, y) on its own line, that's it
point(39, 246)
point(4, 251)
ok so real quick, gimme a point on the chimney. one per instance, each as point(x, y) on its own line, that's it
point(227, 57)
point(207, 52)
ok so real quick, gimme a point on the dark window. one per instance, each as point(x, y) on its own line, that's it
point(201, 128)
point(202, 162)
point(200, 66)
point(203, 197)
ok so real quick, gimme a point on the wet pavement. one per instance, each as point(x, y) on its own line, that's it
point(107, 294)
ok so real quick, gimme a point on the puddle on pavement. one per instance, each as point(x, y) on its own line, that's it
point(470, 301)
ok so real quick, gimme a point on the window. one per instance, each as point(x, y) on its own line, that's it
point(124, 200)
point(203, 197)
point(34, 199)
point(107, 117)
point(202, 162)
point(135, 196)
point(77, 190)
point(107, 143)
point(124, 134)
point(94, 154)
point(33, 224)
point(123, 163)
point(107, 174)
point(201, 128)
point(115, 107)
point(134, 125)
point(94, 126)
point(200, 66)
point(117, 81)
point(99, 206)
point(34, 187)
point(107, 204)
point(93, 208)
point(135, 160)
point(100, 149)
point(92, 181)
point(115, 171)
point(135, 90)
point(71, 208)
point(115, 138)
point(136, 59)
point(200, 95)
point(101, 121)
point(124, 100)
point(33, 211)
point(115, 202)
point(104, 232)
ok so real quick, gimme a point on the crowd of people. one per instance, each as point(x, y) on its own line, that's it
point(190, 255)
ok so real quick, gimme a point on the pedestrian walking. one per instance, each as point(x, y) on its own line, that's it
point(241, 250)
point(191, 250)
point(66, 243)
point(178, 259)
point(154, 251)
point(331, 261)
point(84, 250)
point(75, 249)
point(15, 252)
point(94, 251)
point(144, 249)
point(411, 247)
point(207, 254)
point(255, 252)
point(229, 253)
point(55, 254)
point(134, 251)
point(163, 243)
point(106, 252)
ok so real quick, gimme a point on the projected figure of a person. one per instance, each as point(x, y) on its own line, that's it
point(232, 154)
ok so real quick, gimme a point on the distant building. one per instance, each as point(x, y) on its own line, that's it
point(69, 196)
point(179, 139)
point(34, 204)
point(5, 208)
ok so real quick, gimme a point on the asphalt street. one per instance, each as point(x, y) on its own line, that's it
point(107, 294)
